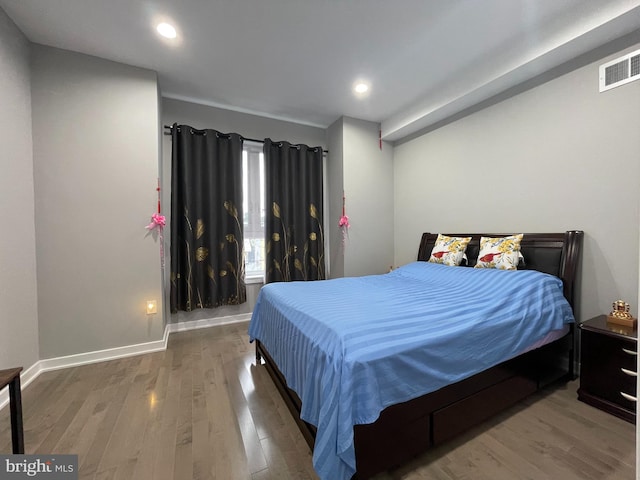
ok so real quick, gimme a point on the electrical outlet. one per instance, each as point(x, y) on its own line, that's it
point(152, 307)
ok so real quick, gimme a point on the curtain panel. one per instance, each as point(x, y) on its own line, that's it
point(207, 265)
point(294, 217)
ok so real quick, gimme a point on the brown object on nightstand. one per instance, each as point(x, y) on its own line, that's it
point(625, 322)
point(11, 377)
point(620, 315)
point(608, 367)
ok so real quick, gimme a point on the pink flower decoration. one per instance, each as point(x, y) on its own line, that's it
point(344, 221)
point(157, 220)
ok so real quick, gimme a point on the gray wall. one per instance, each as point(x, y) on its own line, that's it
point(249, 126)
point(95, 130)
point(335, 188)
point(368, 187)
point(18, 289)
point(559, 156)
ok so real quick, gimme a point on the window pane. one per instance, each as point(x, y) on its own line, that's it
point(253, 203)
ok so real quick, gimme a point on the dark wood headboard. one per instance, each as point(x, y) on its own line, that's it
point(554, 253)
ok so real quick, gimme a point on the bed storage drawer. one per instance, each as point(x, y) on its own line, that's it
point(459, 416)
point(379, 445)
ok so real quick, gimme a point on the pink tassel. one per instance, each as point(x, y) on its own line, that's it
point(343, 223)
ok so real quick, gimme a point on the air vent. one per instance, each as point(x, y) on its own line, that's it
point(620, 71)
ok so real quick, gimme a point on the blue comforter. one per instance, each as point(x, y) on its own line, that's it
point(350, 347)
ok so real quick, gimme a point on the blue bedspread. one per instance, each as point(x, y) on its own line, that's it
point(350, 347)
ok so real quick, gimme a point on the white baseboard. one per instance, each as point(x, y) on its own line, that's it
point(208, 322)
point(46, 365)
point(104, 355)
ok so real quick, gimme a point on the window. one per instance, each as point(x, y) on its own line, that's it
point(253, 206)
point(254, 209)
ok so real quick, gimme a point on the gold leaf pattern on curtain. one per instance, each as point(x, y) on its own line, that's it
point(313, 211)
point(186, 218)
point(201, 254)
point(276, 210)
point(231, 267)
point(290, 250)
point(199, 229)
point(231, 209)
point(239, 246)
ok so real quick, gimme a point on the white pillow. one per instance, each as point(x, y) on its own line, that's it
point(449, 250)
point(502, 253)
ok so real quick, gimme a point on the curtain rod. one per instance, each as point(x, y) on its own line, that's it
point(244, 138)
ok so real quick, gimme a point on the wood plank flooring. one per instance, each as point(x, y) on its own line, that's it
point(203, 410)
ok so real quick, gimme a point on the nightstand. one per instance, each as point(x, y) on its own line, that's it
point(608, 368)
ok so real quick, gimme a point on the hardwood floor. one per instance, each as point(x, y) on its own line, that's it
point(203, 410)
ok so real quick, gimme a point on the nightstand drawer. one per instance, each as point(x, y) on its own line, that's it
point(608, 354)
point(609, 387)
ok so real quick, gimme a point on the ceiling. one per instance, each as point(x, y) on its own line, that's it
point(297, 60)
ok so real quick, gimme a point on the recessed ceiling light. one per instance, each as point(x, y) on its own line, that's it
point(166, 30)
point(361, 88)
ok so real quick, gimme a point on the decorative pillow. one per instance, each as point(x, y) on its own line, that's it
point(449, 250)
point(502, 253)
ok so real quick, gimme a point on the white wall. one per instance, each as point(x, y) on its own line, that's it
point(557, 157)
point(95, 129)
point(368, 187)
point(227, 121)
point(335, 188)
point(18, 288)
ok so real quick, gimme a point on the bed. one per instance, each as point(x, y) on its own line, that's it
point(378, 369)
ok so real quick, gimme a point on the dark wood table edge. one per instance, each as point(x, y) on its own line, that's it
point(11, 377)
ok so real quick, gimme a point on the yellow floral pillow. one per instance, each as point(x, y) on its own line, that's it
point(502, 253)
point(449, 250)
